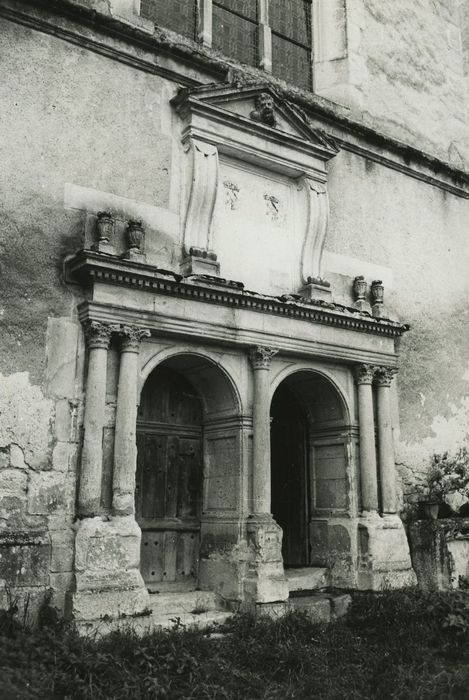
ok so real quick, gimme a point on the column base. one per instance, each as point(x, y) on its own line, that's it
point(265, 580)
point(384, 561)
point(109, 587)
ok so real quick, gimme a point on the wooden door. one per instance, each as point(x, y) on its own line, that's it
point(169, 476)
point(289, 477)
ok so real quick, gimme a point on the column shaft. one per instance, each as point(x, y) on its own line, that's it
point(387, 467)
point(261, 487)
point(89, 492)
point(261, 442)
point(125, 449)
point(368, 472)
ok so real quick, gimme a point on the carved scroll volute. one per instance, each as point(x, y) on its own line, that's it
point(204, 184)
point(317, 220)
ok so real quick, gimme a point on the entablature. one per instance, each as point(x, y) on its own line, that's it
point(291, 317)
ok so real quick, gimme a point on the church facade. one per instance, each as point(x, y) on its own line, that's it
point(234, 269)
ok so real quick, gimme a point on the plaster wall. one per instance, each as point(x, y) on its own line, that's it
point(415, 238)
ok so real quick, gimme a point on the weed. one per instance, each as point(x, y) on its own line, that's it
point(399, 645)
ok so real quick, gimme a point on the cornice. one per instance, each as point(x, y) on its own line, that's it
point(88, 267)
point(167, 43)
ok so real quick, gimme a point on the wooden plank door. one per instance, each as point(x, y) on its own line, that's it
point(168, 484)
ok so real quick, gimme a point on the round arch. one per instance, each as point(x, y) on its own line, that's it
point(217, 388)
point(305, 379)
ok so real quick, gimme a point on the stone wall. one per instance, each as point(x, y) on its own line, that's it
point(406, 72)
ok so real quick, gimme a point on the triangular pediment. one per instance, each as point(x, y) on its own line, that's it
point(259, 106)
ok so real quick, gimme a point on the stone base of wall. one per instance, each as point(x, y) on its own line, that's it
point(440, 552)
point(384, 556)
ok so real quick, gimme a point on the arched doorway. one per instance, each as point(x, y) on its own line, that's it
point(188, 469)
point(290, 503)
point(310, 466)
point(169, 479)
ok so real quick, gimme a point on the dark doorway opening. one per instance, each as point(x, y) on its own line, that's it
point(289, 476)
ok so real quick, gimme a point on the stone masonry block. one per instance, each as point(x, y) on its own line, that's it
point(13, 482)
point(107, 545)
point(63, 549)
point(64, 456)
point(17, 457)
point(47, 493)
point(63, 420)
point(24, 558)
point(62, 341)
point(26, 421)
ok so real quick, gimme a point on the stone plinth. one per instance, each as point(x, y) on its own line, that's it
point(384, 557)
point(316, 290)
point(440, 552)
point(265, 580)
point(201, 265)
point(108, 581)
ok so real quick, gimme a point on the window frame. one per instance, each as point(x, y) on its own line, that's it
point(204, 33)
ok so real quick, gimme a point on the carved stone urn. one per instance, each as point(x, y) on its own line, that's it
point(377, 297)
point(135, 239)
point(359, 289)
point(135, 235)
point(105, 226)
point(105, 229)
point(377, 292)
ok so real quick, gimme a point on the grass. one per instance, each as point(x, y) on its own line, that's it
point(406, 644)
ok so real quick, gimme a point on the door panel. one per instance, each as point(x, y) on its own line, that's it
point(169, 479)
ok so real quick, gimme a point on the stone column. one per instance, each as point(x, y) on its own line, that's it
point(369, 480)
point(125, 449)
point(260, 359)
point(387, 469)
point(265, 579)
point(98, 336)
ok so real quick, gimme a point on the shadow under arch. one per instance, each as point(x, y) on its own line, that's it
point(311, 469)
point(216, 387)
point(316, 389)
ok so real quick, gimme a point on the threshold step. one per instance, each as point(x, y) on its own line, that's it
point(200, 620)
point(178, 604)
point(306, 579)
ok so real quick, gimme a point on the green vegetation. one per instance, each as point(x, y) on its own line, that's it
point(406, 644)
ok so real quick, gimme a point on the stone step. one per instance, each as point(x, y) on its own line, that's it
point(186, 603)
point(322, 608)
point(306, 579)
point(200, 620)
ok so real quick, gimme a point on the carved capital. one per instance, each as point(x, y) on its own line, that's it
point(131, 337)
point(97, 334)
point(384, 375)
point(261, 357)
point(364, 374)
